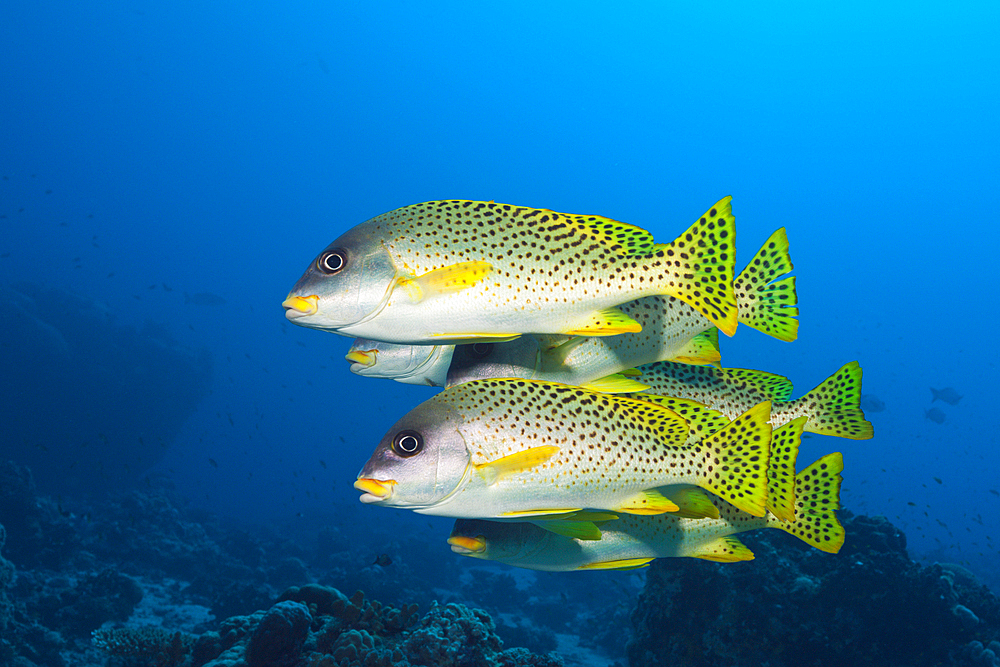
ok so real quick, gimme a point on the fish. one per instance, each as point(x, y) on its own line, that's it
point(671, 330)
point(204, 299)
point(833, 407)
point(629, 542)
point(409, 364)
point(935, 415)
point(510, 448)
point(465, 271)
point(948, 395)
point(383, 560)
point(872, 403)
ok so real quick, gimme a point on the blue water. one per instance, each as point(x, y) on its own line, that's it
point(217, 147)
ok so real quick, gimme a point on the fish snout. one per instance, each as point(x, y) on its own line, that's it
point(467, 545)
point(374, 490)
point(364, 358)
point(301, 306)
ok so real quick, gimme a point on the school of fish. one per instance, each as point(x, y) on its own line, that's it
point(585, 421)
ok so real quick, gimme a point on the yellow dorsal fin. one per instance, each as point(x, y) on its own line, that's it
point(620, 564)
point(817, 495)
point(580, 530)
point(723, 550)
point(513, 464)
point(446, 280)
point(700, 350)
point(615, 384)
point(702, 420)
point(693, 503)
point(781, 469)
point(776, 387)
point(650, 501)
point(766, 301)
point(607, 322)
point(619, 236)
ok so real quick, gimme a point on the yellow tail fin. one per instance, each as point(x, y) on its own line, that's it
point(781, 469)
point(735, 461)
point(834, 407)
point(766, 301)
point(817, 495)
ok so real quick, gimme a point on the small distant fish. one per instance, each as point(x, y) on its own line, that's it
point(934, 415)
point(382, 560)
point(948, 395)
point(204, 299)
point(872, 403)
point(214, 463)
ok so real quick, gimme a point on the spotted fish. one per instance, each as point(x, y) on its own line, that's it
point(832, 408)
point(462, 271)
point(633, 541)
point(509, 448)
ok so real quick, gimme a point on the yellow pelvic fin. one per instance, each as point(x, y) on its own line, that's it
point(834, 407)
point(723, 550)
point(580, 530)
point(734, 460)
point(767, 301)
point(446, 280)
point(607, 322)
point(698, 266)
point(474, 337)
point(518, 514)
point(646, 502)
point(781, 469)
point(518, 462)
point(597, 517)
point(817, 495)
point(621, 564)
point(700, 350)
point(616, 383)
point(693, 503)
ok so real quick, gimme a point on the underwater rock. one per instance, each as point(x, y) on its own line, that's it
point(868, 605)
point(278, 638)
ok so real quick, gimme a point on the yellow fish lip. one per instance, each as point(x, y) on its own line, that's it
point(374, 490)
point(467, 545)
point(301, 306)
point(364, 358)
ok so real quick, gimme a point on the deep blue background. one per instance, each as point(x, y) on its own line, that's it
point(219, 146)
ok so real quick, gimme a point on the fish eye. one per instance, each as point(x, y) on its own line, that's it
point(407, 443)
point(332, 261)
point(480, 350)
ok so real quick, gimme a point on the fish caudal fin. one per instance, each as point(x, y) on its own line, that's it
point(735, 461)
point(817, 495)
point(700, 350)
point(781, 469)
point(698, 266)
point(834, 407)
point(766, 301)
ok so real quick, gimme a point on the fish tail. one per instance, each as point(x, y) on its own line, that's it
point(735, 461)
point(817, 495)
point(766, 301)
point(834, 407)
point(784, 451)
point(698, 266)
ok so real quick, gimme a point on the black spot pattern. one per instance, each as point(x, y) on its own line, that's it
point(766, 301)
point(834, 407)
point(817, 495)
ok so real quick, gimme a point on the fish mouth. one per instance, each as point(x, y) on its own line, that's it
point(374, 490)
point(301, 306)
point(467, 545)
point(365, 359)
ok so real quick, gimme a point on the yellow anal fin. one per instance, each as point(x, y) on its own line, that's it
point(446, 280)
point(615, 384)
point(513, 464)
point(607, 322)
point(647, 502)
point(700, 350)
point(518, 514)
point(693, 503)
point(723, 550)
point(580, 530)
point(620, 564)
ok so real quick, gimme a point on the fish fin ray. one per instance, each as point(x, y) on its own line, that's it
point(765, 299)
point(723, 550)
point(781, 469)
point(735, 460)
point(837, 408)
point(817, 496)
point(515, 463)
point(607, 322)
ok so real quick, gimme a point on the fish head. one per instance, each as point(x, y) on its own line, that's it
point(517, 358)
point(421, 462)
point(349, 282)
point(411, 364)
point(494, 540)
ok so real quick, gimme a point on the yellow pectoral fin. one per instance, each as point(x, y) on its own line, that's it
point(723, 550)
point(515, 463)
point(650, 501)
point(581, 530)
point(621, 564)
point(446, 280)
point(607, 322)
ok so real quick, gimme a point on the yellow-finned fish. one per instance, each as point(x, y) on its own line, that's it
point(832, 408)
point(511, 448)
point(462, 271)
point(410, 364)
point(634, 541)
point(671, 330)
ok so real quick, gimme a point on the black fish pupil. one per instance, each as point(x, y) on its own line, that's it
point(332, 262)
point(407, 443)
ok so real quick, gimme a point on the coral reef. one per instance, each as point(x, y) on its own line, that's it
point(868, 605)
